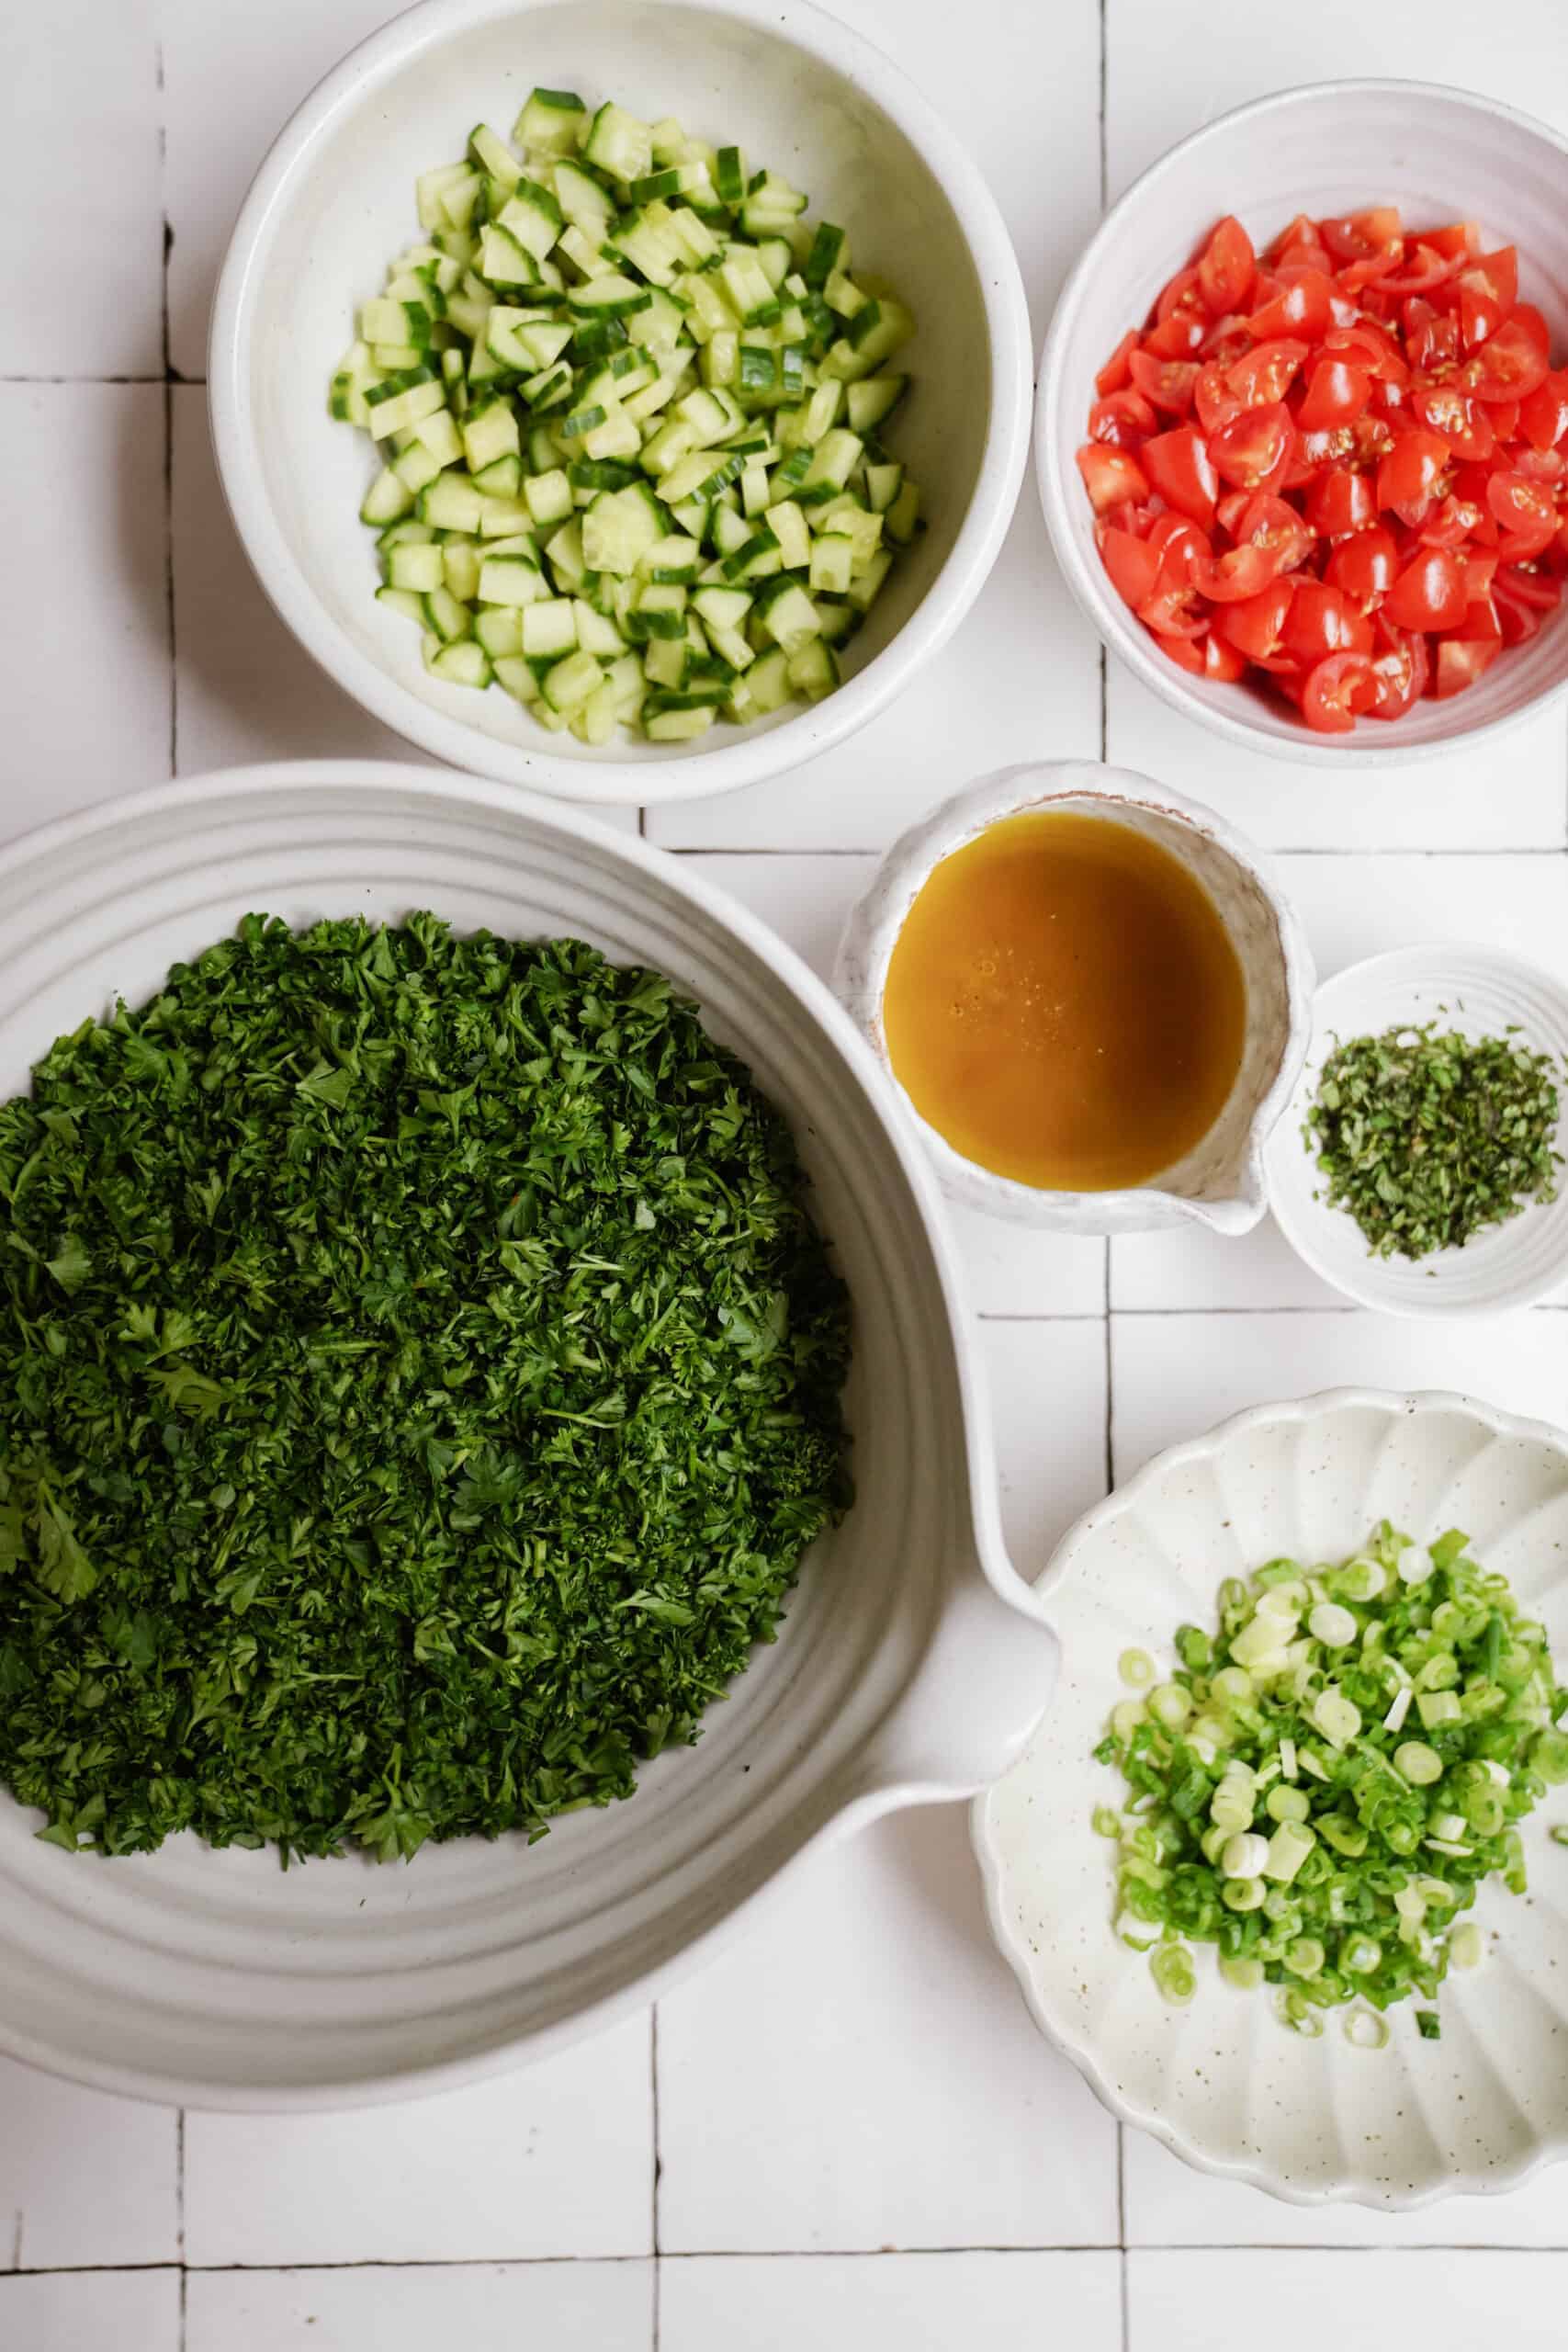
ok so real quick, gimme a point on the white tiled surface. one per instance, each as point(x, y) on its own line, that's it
point(845, 2133)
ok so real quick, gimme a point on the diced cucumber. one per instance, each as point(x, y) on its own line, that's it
point(551, 122)
point(659, 491)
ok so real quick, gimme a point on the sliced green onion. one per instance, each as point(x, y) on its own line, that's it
point(1364, 2029)
point(1136, 1668)
point(1171, 1968)
point(1467, 1946)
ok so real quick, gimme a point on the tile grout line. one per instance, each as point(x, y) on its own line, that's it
point(1438, 2248)
point(657, 2161)
point(168, 235)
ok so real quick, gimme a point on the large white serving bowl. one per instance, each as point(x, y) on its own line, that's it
point(333, 202)
point(1332, 147)
point(1223, 2083)
point(912, 1661)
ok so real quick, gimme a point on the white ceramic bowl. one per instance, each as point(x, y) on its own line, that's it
point(910, 1662)
point(1481, 993)
point(1334, 147)
point(1223, 2084)
point(333, 202)
point(1219, 1184)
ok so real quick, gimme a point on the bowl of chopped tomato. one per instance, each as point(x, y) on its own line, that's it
point(1305, 462)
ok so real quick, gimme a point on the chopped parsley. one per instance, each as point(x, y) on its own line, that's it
point(418, 1381)
point(1426, 1138)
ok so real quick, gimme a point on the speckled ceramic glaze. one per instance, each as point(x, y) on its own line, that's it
point(1219, 1182)
point(1223, 2083)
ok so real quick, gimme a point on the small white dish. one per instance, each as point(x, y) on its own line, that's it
point(1331, 147)
point(1223, 2083)
point(334, 201)
point(1219, 1184)
point(1479, 993)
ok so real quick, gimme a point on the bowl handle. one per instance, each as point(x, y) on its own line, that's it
point(981, 1688)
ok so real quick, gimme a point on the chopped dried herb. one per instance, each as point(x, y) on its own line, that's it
point(419, 1380)
point(1426, 1137)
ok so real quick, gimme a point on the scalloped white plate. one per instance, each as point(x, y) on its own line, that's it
point(1223, 2083)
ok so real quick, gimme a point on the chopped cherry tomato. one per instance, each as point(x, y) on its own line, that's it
point(1423, 268)
point(1366, 567)
point(1463, 424)
point(1534, 324)
point(1430, 591)
point(1110, 477)
point(1123, 419)
point(1336, 391)
point(1182, 549)
point(1400, 669)
point(1359, 235)
point(1257, 624)
point(1240, 573)
point(1414, 474)
point(1322, 621)
point(1527, 513)
point(1461, 660)
point(1168, 383)
point(1344, 465)
point(1175, 610)
point(1269, 523)
point(1226, 267)
point(1185, 651)
point(1266, 374)
point(1508, 368)
point(1255, 449)
point(1113, 375)
point(1338, 688)
point(1301, 302)
point(1133, 564)
point(1179, 465)
point(1222, 660)
point(1544, 415)
point(1339, 500)
point(1217, 404)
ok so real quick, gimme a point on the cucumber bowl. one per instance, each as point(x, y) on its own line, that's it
point(333, 205)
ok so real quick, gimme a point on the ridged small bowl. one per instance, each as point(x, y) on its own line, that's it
point(1479, 993)
point(1223, 2083)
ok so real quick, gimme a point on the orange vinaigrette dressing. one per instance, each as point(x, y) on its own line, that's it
point(1064, 1005)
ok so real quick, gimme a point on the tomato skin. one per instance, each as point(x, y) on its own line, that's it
point(1336, 391)
point(1236, 575)
point(1256, 625)
point(1266, 374)
point(1364, 568)
point(1534, 324)
point(1324, 621)
point(1182, 548)
point(1339, 500)
point(1543, 413)
point(1184, 651)
point(1461, 660)
point(1301, 302)
point(1370, 347)
point(1217, 402)
point(1110, 477)
point(1178, 337)
point(1359, 235)
point(1123, 419)
point(1527, 513)
point(1133, 564)
point(1430, 591)
point(1507, 368)
point(1113, 375)
point(1222, 661)
point(1423, 269)
point(1336, 690)
point(1177, 465)
point(1167, 384)
point(1175, 609)
point(1254, 451)
point(1226, 267)
point(1400, 669)
point(1413, 474)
